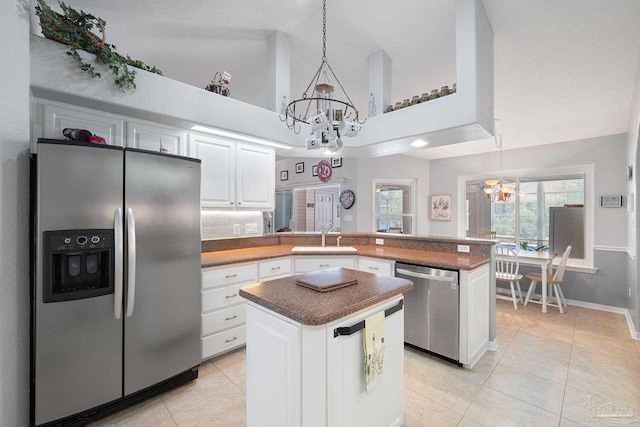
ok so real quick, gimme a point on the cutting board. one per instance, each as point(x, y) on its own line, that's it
point(327, 280)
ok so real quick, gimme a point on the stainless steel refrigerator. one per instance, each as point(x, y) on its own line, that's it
point(116, 281)
point(566, 227)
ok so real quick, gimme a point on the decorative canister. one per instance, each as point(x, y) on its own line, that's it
point(415, 100)
point(398, 106)
point(406, 103)
point(424, 97)
point(453, 88)
point(434, 94)
point(388, 109)
point(444, 91)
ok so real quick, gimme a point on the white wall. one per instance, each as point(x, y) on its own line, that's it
point(632, 217)
point(607, 154)
point(14, 214)
point(392, 167)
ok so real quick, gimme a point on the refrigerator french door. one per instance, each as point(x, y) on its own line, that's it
point(116, 276)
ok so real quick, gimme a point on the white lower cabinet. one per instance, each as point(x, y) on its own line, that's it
point(223, 309)
point(304, 264)
point(381, 267)
point(301, 375)
point(474, 315)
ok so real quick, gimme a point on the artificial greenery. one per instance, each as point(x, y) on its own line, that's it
point(74, 29)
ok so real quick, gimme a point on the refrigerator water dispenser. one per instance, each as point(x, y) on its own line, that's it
point(77, 264)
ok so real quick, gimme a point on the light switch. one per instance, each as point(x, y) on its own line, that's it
point(236, 229)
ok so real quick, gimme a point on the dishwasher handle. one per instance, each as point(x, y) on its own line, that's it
point(425, 276)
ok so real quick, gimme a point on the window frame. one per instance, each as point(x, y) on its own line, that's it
point(412, 183)
point(584, 265)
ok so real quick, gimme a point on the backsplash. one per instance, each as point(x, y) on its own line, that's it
point(223, 224)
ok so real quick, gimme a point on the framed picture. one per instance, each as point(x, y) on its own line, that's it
point(300, 167)
point(314, 170)
point(336, 162)
point(611, 201)
point(441, 207)
point(284, 175)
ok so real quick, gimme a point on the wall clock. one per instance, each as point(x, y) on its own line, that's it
point(347, 199)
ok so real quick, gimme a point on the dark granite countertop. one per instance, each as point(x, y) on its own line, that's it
point(453, 261)
point(311, 307)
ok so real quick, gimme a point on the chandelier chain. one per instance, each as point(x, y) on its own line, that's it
point(324, 30)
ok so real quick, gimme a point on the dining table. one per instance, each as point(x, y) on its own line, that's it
point(543, 259)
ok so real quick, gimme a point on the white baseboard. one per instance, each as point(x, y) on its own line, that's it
point(611, 309)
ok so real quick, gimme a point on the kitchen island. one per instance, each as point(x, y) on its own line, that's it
point(305, 357)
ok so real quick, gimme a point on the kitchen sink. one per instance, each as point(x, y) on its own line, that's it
point(323, 249)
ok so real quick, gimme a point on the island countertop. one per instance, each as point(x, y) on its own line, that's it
point(311, 307)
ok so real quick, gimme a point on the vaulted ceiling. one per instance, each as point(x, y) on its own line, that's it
point(564, 69)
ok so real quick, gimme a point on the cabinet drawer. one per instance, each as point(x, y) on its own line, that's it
point(278, 267)
point(376, 266)
point(321, 263)
point(223, 319)
point(244, 273)
point(217, 298)
point(223, 341)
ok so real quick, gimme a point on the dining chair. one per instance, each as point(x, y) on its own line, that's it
point(553, 282)
point(507, 266)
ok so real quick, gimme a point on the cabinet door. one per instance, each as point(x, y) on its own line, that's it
point(58, 117)
point(218, 170)
point(154, 137)
point(255, 177)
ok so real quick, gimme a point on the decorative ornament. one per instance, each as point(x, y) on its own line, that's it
point(324, 171)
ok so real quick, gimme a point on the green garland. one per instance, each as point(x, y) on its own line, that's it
point(74, 29)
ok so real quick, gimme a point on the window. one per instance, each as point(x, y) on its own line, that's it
point(547, 211)
point(394, 206)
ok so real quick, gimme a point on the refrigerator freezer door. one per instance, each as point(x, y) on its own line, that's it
point(77, 354)
point(162, 334)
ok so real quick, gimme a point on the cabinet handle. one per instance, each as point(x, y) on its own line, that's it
point(239, 203)
point(232, 317)
point(231, 340)
point(374, 268)
point(325, 265)
point(230, 203)
point(231, 296)
point(230, 276)
point(275, 268)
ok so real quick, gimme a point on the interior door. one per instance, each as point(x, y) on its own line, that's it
point(163, 301)
point(324, 210)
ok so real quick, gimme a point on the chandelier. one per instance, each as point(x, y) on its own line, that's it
point(330, 119)
point(498, 190)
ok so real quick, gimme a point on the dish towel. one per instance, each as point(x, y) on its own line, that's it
point(373, 350)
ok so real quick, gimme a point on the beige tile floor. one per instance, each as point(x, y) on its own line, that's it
point(549, 370)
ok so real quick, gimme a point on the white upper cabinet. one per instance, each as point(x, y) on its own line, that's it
point(234, 175)
point(57, 117)
point(255, 177)
point(217, 188)
point(154, 137)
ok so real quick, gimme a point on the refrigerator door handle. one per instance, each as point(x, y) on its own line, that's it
point(117, 285)
point(131, 261)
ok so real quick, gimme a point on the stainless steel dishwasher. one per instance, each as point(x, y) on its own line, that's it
point(431, 310)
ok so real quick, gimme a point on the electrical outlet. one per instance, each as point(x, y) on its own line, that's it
point(251, 228)
point(379, 241)
point(236, 229)
point(464, 248)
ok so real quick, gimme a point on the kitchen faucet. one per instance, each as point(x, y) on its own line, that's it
point(324, 230)
point(338, 240)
